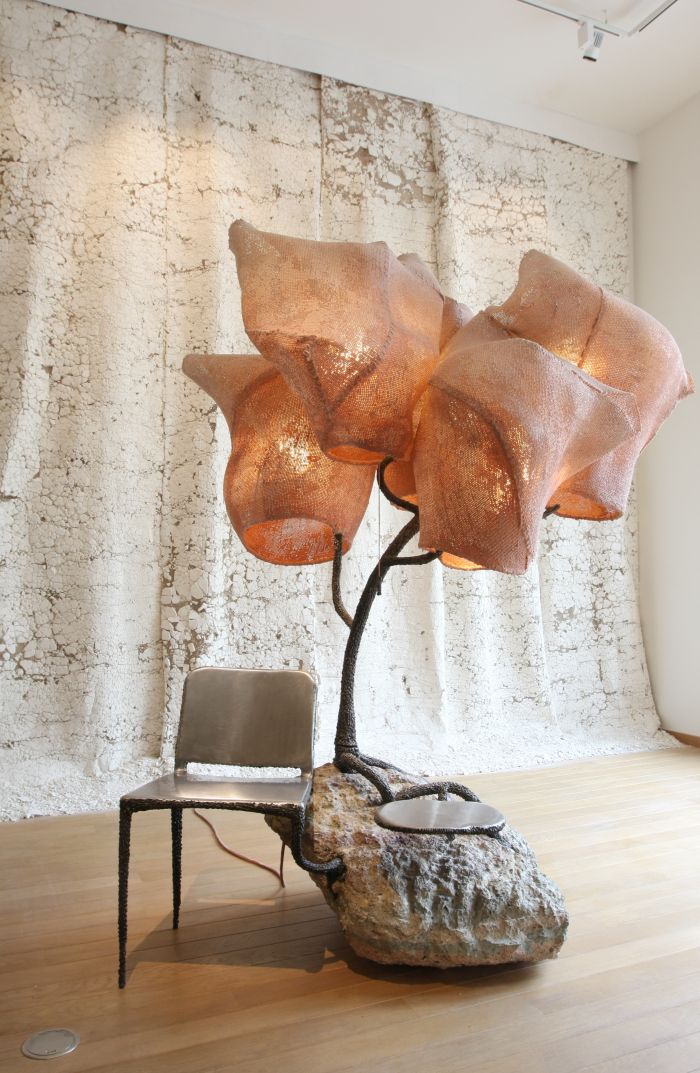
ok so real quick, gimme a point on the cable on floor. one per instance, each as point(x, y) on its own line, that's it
point(239, 856)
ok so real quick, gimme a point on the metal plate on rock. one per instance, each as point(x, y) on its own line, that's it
point(425, 815)
point(51, 1043)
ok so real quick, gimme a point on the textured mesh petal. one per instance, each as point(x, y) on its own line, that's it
point(613, 341)
point(457, 563)
point(475, 329)
point(454, 317)
point(478, 329)
point(503, 424)
point(399, 479)
point(454, 314)
point(353, 330)
point(286, 499)
point(399, 476)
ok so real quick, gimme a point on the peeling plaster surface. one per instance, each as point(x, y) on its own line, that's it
point(125, 157)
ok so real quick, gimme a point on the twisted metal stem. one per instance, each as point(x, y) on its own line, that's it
point(350, 764)
point(346, 732)
point(348, 757)
point(416, 560)
point(404, 504)
point(335, 582)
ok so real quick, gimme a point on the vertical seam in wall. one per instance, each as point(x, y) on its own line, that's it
point(313, 585)
point(321, 167)
point(428, 117)
point(431, 116)
point(164, 374)
point(438, 572)
point(630, 292)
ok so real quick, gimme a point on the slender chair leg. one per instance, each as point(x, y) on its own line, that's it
point(125, 815)
point(284, 846)
point(176, 829)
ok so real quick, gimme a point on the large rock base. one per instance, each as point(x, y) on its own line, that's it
point(432, 900)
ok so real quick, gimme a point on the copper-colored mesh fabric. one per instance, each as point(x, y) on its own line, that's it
point(399, 479)
point(353, 330)
point(415, 264)
point(454, 314)
point(479, 329)
point(286, 499)
point(454, 317)
point(398, 476)
point(613, 341)
point(456, 563)
point(503, 424)
point(471, 330)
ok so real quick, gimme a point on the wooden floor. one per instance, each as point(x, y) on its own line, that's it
point(258, 980)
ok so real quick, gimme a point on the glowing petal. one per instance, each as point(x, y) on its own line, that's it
point(504, 423)
point(615, 342)
point(286, 499)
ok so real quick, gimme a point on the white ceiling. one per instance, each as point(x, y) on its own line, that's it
point(498, 59)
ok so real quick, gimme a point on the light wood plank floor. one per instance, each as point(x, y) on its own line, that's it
point(258, 980)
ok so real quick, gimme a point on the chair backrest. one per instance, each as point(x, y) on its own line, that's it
point(247, 717)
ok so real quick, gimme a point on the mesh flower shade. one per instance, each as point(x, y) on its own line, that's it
point(400, 480)
point(613, 341)
point(353, 330)
point(454, 314)
point(399, 476)
point(477, 329)
point(285, 498)
point(549, 397)
point(503, 424)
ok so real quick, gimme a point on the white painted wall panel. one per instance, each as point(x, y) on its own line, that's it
point(129, 155)
point(667, 283)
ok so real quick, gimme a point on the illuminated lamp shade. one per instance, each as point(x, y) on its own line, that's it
point(478, 329)
point(285, 498)
point(460, 330)
point(457, 563)
point(401, 482)
point(454, 314)
point(353, 330)
point(504, 423)
point(615, 342)
point(398, 476)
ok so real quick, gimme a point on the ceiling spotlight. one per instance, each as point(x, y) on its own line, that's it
point(589, 40)
point(591, 31)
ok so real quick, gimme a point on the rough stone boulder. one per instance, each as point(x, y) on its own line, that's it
point(438, 900)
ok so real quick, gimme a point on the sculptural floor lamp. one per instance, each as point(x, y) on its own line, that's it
point(476, 426)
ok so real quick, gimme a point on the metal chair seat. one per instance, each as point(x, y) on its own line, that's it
point(247, 718)
point(191, 790)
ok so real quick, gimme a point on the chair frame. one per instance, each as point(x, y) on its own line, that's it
point(295, 813)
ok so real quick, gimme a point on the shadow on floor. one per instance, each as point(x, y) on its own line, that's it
point(289, 931)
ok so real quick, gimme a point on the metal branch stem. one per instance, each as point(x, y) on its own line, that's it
point(335, 582)
point(416, 560)
point(348, 757)
point(346, 735)
point(404, 504)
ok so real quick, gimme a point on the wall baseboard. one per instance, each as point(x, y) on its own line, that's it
point(686, 739)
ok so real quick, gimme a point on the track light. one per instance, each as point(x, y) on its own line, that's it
point(590, 40)
point(591, 31)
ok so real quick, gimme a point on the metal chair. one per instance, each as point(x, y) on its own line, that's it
point(248, 718)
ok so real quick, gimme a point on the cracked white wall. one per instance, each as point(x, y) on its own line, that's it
point(126, 155)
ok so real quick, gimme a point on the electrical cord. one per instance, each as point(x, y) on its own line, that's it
point(239, 856)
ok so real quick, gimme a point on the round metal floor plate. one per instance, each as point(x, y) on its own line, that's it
point(426, 815)
point(51, 1043)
